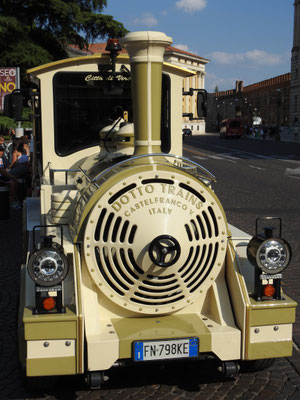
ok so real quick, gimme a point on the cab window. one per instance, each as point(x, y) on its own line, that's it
point(85, 102)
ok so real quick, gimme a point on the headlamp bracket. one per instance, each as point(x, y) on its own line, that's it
point(268, 230)
point(55, 292)
point(47, 239)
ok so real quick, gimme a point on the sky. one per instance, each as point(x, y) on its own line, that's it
point(248, 40)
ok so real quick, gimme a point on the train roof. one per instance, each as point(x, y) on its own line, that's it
point(91, 59)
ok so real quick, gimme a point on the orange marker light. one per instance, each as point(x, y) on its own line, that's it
point(49, 303)
point(113, 45)
point(269, 290)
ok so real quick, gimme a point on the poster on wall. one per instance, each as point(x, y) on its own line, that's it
point(9, 80)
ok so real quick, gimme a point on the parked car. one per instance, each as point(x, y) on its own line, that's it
point(186, 132)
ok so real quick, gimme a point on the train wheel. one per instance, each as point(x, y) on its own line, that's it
point(256, 365)
point(41, 382)
point(94, 380)
point(229, 368)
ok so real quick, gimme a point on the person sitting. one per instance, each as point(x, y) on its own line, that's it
point(9, 146)
point(18, 171)
point(25, 142)
point(4, 164)
point(2, 142)
point(14, 156)
point(3, 160)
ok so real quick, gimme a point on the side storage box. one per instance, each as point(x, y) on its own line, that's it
point(51, 342)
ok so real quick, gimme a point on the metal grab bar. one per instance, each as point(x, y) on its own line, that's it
point(162, 158)
point(66, 171)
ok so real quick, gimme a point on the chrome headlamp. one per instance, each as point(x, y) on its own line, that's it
point(273, 255)
point(48, 265)
point(269, 253)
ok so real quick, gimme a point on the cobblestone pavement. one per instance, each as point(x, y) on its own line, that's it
point(181, 381)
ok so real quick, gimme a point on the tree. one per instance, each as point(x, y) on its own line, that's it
point(34, 32)
point(216, 89)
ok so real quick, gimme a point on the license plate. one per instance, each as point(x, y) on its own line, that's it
point(165, 349)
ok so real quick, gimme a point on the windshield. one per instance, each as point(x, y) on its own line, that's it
point(84, 103)
point(235, 124)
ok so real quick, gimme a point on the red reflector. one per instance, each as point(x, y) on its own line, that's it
point(49, 303)
point(269, 290)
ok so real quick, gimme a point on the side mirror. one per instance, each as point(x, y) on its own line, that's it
point(13, 105)
point(202, 104)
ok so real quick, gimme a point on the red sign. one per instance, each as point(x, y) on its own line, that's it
point(8, 82)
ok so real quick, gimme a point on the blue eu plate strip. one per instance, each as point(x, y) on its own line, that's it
point(139, 351)
point(193, 348)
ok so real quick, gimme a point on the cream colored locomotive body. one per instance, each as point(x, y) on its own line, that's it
point(152, 260)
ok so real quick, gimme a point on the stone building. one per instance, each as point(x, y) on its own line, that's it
point(177, 57)
point(197, 64)
point(275, 101)
point(295, 70)
point(266, 101)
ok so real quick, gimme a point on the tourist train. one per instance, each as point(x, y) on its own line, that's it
point(128, 255)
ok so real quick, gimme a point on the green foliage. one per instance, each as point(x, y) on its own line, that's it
point(34, 32)
point(25, 55)
point(27, 112)
point(7, 123)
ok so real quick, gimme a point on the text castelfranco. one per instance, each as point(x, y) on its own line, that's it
point(177, 197)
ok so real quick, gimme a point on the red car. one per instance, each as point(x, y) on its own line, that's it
point(231, 127)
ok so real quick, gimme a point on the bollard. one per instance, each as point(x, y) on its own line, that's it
point(4, 202)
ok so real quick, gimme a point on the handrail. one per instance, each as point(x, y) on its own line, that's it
point(53, 171)
point(206, 177)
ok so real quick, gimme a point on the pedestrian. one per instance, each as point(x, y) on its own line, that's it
point(261, 132)
point(296, 130)
point(3, 160)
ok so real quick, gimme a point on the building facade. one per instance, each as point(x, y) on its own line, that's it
point(295, 70)
point(197, 64)
point(267, 101)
